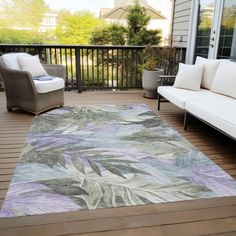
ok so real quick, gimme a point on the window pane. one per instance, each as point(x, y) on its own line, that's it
point(205, 18)
point(227, 44)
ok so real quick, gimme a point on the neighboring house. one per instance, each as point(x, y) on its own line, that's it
point(205, 27)
point(49, 22)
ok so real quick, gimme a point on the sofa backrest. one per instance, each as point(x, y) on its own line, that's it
point(210, 68)
point(225, 79)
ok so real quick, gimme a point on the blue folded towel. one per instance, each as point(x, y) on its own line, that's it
point(44, 78)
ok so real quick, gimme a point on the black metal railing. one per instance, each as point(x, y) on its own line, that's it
point(98, 67)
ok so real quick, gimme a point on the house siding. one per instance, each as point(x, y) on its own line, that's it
point(181, 19)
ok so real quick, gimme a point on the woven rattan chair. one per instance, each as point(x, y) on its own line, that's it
point(21, 92)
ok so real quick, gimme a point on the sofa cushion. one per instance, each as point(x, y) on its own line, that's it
point(32, 65)
point(11, 61)
point(189, 77)
point(220, 114)
point(49, 85)
point(180, 96)
point(225, 79)
point(210, 67)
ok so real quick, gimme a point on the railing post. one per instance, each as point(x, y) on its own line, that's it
point(78, 70)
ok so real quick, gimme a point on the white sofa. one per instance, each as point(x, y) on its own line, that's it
point(215, 100)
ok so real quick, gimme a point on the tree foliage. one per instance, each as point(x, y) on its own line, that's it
point(22, 14)
point(109, 35)
point(136, 30)
point(20, 21)
point(76, 28)
point(13, 36)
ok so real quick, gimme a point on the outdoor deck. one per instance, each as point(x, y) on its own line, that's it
point(201, 217)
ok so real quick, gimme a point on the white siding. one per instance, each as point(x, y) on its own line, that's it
point(181, 19)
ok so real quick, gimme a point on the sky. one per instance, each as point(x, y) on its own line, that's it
point(78, 5)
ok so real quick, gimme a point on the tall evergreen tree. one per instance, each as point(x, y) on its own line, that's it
point(137, 31)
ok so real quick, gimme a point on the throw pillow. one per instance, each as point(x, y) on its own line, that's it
point(11, 61)
point(210, 67)
point(189, 77)
point(32, 65)
point(225, 79)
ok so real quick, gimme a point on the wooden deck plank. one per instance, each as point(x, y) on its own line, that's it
point(188, 217)
point(216, 216)
point(118, 212)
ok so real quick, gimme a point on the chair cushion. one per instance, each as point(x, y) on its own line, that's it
point(210, 67)
point(32, 65)
point(225, 79)
point(10, 59)
point(180, 96)
point(220, 114)
point(189, 77)
point(49, 85)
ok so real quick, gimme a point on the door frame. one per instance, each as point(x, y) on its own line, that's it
point(215, 30)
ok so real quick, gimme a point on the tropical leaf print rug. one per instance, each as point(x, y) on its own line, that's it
point(108, 156)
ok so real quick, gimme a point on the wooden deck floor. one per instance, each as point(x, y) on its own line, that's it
point(200, 217)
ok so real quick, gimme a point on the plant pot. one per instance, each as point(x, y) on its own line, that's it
point(149, 82)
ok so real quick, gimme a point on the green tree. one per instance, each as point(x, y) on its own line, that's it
point(22, 14)
point(137, 21)
point(109, 35)
point(76, 28)
point(13, 36)
point(136, 30)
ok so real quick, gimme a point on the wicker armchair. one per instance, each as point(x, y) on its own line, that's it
point(21, 92)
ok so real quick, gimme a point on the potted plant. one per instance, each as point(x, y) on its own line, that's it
point(151, 71)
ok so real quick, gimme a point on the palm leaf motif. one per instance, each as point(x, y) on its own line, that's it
point(108, 156)
point(113, 169)
point(117, 167)
point(51, 159)
point(78, 164)
point(67, 187)
point(94, 167)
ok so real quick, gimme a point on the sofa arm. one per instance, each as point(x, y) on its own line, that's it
point(166, 80)
point(55, 70)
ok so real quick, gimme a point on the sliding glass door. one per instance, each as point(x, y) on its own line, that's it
point(227, 35)
point(214, 29)
point(206, 10)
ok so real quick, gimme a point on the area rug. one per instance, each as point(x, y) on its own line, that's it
point(93, 157)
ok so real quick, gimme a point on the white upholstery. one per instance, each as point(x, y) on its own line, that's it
point(189, 77)
point(49, 85)
point(11, 61)
point(225, 79)
point(210, 68)
point(180, 96)
point(220, 114)
point(216, 106)
point(32, 65)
